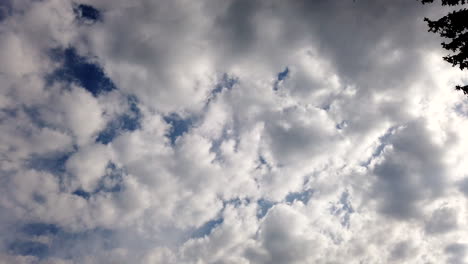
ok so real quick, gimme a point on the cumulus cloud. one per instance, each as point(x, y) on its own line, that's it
point(229, 132)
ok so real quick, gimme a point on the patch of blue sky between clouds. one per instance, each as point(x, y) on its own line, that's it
point(29, 248)
point(179, 125)
point(304, 196)
point(81, 193)
point(236, 202)
point(40, 229)
point(92, 242)
point(227, 82)
point(383, 142)
point(87, 13)
point(111, 182)
point(5, 9)
point(216, 143)
point(34, 116)
point(26, 245)
point(60, 243)
point(129, 121)
point(343, 209)
point(81, 71)
point(262, 160)
point(206, 228)
point(262, 163)
point(281, 77)
point(51, 162)
point(263, 207)
point(342, 125)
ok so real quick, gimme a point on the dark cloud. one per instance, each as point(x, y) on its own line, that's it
point(456, 253)
point(410, 172)
point(442, 220)
point(402, 251)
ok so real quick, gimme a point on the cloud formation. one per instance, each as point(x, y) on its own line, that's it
point(229, 132)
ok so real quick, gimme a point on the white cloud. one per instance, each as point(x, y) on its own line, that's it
point(355, 156)
point(88, 165)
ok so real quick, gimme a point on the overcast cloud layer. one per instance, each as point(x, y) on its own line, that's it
point(229, 132)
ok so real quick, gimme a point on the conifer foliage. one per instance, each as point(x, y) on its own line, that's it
point(454, 27)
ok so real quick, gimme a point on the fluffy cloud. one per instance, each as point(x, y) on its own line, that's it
point(228, 132)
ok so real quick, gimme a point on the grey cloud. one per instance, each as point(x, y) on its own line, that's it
point(237, 25)
point(293, 138)
point(410, 172)
point(283, 237)
point(403, 251)
point(456, 253)
point(442, 220)
point(363, 22)
point(463, 186)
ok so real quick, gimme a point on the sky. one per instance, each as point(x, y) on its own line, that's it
point(229, 132)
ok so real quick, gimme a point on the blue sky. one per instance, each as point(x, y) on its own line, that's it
point(229, 132)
